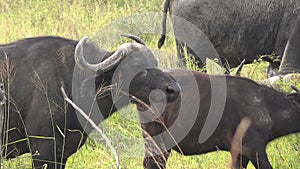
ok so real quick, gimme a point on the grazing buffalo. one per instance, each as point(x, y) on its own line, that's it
point(39, 121)
point(237, 29)
point(180, 126)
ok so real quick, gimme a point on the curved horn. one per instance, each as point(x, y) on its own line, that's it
point(135, 38)
point(123, 51)
point(79, 59)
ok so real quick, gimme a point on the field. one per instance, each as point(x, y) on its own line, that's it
point(105, 20)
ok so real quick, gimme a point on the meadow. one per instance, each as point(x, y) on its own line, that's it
point(105, 20)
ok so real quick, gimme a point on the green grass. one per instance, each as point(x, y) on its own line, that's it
point(95, 18)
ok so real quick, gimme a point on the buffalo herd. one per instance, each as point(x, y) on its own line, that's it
point(202, 113)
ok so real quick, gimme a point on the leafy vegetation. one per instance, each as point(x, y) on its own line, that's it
point(95, 18)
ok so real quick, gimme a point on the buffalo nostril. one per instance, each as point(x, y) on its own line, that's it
point(173, 91)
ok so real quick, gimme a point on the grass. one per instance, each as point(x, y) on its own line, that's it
point(102, 19)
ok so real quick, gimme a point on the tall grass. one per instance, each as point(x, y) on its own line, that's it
point(75, 19)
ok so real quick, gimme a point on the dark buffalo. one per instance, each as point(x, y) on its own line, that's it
point(272, 114)
point(237, 29)
point(38, 119)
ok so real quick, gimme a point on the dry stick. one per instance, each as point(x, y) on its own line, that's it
point(94, 125)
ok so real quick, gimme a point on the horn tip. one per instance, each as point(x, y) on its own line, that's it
point(84, 39)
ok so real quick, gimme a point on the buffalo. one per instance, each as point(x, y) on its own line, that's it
point(205, 99)
point(237, 29)
point(37, 118)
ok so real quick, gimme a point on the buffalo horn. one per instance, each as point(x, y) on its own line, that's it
point(135, 38)
point(123, 51)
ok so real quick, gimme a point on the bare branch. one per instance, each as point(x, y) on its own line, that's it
point(94, 126)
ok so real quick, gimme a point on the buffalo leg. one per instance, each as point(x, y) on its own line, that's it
point(156, 154)
point(44, 155)
point(241, 162)
point(190, 53)
point(156, 161)
point(260, 160)
point(255, 150)
point(47, 157)
point(194, 57)
point(245, 161)
point(180, 54)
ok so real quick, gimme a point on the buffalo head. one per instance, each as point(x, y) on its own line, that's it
point(133, 73)
point(152, 86)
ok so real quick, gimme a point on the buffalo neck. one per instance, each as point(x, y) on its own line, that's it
point(106, 102)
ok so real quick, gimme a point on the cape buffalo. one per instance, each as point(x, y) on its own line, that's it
point(237, 29)
point(38, 120)
point(179, 127)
